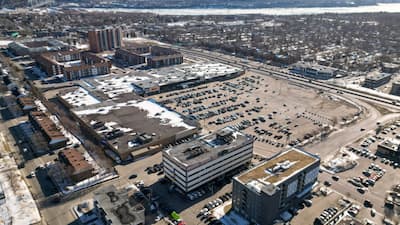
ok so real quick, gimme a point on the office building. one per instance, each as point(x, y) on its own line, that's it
point(74, 165)
point(49, 129)
point(73, 65)
point(376, 79)
point(198, 162)
point(314, 71)
point(105, 39)
point(265, 192)
point(119, 206)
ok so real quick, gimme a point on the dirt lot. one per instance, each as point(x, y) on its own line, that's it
point(275, 112)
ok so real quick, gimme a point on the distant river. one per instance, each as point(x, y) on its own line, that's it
point(391, 8)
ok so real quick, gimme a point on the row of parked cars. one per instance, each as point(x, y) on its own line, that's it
point(205, 213)
point(196, 194)
point(328, 215)
point(156, 168)
point(212, 113)
point(364, 152)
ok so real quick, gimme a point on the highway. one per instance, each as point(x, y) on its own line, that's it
point(273, 71)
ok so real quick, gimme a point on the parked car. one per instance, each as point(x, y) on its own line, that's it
point(133, 176)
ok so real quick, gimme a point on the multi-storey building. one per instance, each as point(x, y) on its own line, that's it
point(315, 71)
point(105, 39)
point(265, 192)
point(74, 165)
point(161, 56)
point(376, 79)
point(130, 56)
point(195, 163)
point(73, 64)
point(395, 88)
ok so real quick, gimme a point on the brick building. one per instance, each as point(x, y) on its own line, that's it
point(75, 166)
point(105, 39)
point(49, 129)
point(73, 64)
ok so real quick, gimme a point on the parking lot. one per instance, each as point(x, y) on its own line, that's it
point(169, 199)
point(373, 175)
point(308, 214)
point(331, 207)
point(275, 112)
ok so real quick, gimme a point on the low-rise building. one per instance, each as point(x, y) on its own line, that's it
point(34, 47)
point(198, 162)
point(314, 70)
point(74, 165)
point(73, 65)
point(134, 128)
point(376, 79)
point(265, 192)
point(27, 104)
point(389, 148)
point(390, 67)
point(118, 206)
point(49, 129)
point(183, 76)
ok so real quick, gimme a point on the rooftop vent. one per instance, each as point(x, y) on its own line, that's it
point(282, 166)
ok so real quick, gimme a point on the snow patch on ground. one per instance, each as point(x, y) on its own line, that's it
point(19, 207)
